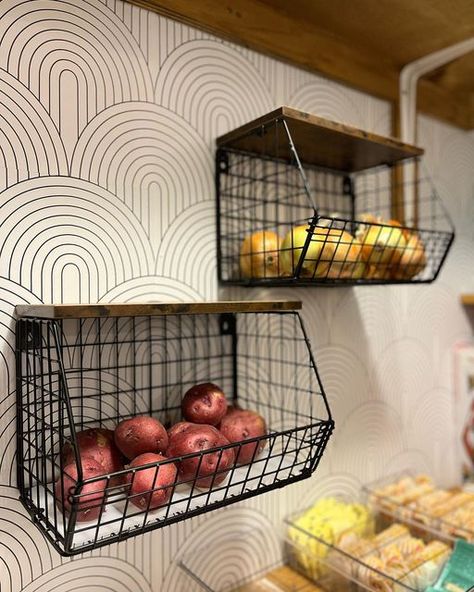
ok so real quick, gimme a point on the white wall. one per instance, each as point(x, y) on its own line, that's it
point(109, 110)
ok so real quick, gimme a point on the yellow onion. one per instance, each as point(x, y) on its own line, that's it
point(413, 259)
point(383, 245)
point(259, 255)
point(374, 272)
point(316, 261)
point(332, 253)
point(346, 260)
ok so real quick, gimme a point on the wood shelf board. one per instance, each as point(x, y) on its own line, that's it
point(281, 579)
point(77, 311)
point(318, 141)
point(313, 35)
point(467, 299)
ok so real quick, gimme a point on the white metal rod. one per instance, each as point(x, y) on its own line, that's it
point(409, 79)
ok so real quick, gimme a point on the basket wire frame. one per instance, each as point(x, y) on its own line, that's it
point(257, 193)
point(80, 373)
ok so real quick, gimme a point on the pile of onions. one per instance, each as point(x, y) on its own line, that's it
point(332, 253)
point(391, 251)
point(381, 249)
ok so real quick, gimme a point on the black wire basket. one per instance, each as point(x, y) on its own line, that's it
point(302, 200)
point(82, 367)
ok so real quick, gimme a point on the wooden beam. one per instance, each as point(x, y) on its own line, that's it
point(397, 197)
point(260, 27)
point(451, 106)
point(263, 28)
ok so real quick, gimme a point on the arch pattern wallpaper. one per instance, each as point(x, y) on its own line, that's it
point(108, 115)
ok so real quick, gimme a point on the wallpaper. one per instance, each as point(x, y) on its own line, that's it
point(108, 115)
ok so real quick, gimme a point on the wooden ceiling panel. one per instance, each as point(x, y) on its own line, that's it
point(363, 44)
point(402, 31)
point(455, 76)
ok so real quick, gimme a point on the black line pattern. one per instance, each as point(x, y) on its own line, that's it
point(108, 115)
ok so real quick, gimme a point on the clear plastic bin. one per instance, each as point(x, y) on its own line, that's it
point(428, 509)
point(249, 560)
point(359, 564)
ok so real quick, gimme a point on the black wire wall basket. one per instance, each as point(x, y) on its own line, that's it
point(92, 366)
point(303, 200)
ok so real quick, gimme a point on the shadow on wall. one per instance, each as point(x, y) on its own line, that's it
point(367, 435)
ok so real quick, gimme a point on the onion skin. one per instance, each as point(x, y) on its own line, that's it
point(413, 259)
point(332, 253)
point(347, 261)
point(391, 251)
point(383, 245)
point(314, 265)
point(260, 255)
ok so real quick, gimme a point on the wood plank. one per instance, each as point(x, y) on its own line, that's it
point(74, 311)
point(405, 30)
point(467, 299)
point(290, 580)
point(318, 141)
point(255, 25)
point(370, 63)
point(281, 579)
point(397, 197)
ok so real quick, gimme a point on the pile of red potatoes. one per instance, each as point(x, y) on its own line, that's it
point(209, 422)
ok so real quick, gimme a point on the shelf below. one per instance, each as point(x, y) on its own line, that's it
point(467, 299)
point(79, 311)
point(319, 142)
point(281, 579)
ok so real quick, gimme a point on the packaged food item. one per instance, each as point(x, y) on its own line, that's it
point(416, 501)
point(458, 573)
point(402, 492)
point(334, 540)
point(460, 522)
point(406, 560)
point(424, 567)
point(392, 532)
point(332, 522)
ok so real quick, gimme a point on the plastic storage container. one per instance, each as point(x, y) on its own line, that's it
point(353, 568)
point(415, 500)
point(247, 559)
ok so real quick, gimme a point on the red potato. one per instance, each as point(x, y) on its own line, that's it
point(97, 443)
point(204, 403)
point(199, 438)
point(178, 428)
point(241, 424)
point(140, 434)
point(89, 506)
point(151, 488)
